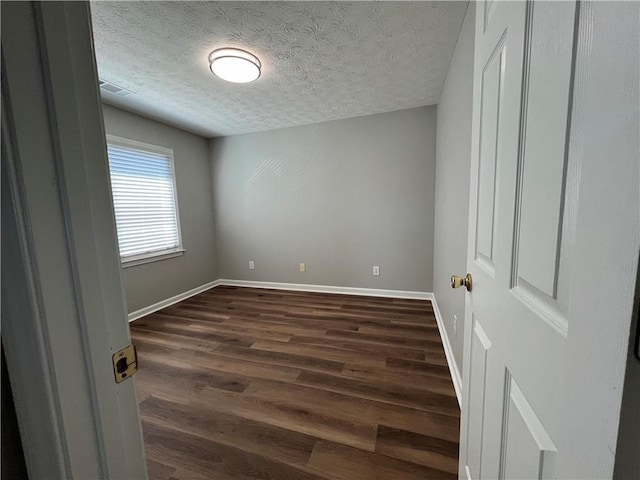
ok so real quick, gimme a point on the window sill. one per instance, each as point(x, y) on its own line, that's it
point(152, 257)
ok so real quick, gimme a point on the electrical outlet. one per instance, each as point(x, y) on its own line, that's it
point(303, 267)
point(376, 270)
point(455, 324)
point(252, 265)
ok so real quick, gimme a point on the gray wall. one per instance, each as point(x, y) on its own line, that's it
point(152, 282)
point(453, 158)
point(340, 196)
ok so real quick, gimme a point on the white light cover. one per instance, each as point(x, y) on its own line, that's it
point(234, 65)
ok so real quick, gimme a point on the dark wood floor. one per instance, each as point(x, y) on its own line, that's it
point(242, 383)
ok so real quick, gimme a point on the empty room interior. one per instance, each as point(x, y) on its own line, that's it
point(320, 240)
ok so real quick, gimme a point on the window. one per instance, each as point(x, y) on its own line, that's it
point(144, 200)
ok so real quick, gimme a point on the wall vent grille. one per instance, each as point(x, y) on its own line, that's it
point(113, 88)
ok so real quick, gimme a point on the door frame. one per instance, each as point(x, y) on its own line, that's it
point(63, 306)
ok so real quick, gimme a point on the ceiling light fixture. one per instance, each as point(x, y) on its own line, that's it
point(234, 65)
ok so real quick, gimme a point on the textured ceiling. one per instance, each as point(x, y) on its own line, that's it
point(321, 60)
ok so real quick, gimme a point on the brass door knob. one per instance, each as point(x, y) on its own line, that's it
point(457, 282)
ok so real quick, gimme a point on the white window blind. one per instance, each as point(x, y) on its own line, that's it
point(144, 199)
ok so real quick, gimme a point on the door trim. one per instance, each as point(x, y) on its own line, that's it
point(24, 335)
point(72, 285)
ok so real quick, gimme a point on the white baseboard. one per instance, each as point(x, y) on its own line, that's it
point(370, 292)
point(170, 301)
point(451, 361)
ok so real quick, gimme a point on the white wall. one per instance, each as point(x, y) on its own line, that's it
point(153, 282)
point(453, 156)
point(340, 196)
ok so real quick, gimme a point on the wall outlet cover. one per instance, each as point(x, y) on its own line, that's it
point(376, 270)
point(252, 265)
point(303, 267)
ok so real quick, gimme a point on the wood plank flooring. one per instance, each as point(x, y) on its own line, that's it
point(242, 383)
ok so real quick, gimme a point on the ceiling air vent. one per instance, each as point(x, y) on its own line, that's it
point(115, 89)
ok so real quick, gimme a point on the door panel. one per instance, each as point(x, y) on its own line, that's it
point(488, 10)
point(492, 79)
point(527, 449)
point(480, 344)
point(541, 193)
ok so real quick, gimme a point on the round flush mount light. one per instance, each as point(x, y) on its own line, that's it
point(234, 65)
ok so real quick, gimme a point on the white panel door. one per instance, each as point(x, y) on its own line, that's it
point(523, 328)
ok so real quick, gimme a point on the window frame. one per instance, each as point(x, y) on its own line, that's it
point(155, 256)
